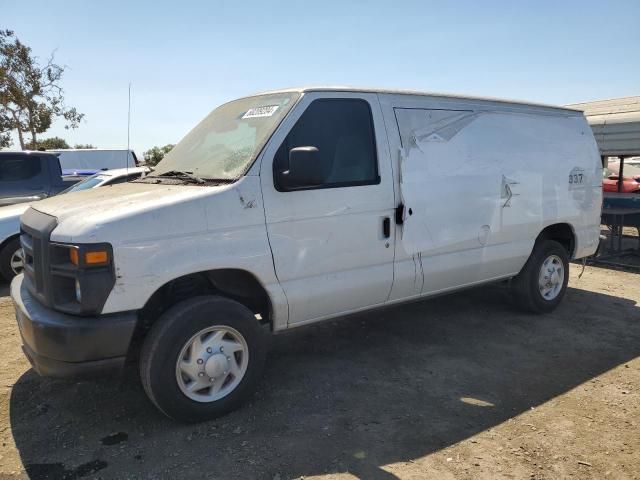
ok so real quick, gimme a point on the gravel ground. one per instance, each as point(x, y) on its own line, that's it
point(462, 386)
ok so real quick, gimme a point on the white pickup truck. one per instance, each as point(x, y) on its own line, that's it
point(291, 207)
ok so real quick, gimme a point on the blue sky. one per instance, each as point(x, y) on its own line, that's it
point(185, 58)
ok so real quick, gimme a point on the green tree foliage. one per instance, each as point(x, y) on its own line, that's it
point(53, 143)
point(155, 154)
point(5, 132)
point(30, 94)
point(84, 146)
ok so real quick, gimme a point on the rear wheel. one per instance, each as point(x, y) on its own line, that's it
point(203, 358)
point(11, 259)
point(542, 283)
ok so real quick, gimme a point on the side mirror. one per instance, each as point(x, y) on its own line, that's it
point(305, 167)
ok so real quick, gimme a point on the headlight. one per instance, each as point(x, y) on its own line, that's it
point(82, 277)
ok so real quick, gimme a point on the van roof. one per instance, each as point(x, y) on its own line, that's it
point(424, 94)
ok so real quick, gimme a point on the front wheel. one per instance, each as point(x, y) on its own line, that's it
point(542, 282)
point(203, 358)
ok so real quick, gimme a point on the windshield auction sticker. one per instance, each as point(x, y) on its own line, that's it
point(257, 112)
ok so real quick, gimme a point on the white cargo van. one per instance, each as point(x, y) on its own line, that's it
point(288, 208)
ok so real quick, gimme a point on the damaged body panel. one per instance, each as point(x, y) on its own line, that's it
point(479, 182)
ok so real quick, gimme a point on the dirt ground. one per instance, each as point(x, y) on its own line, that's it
point(462, 386)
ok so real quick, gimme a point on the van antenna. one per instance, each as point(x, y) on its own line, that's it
point(128, 135)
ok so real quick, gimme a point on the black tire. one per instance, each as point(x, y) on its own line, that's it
point(173, 330)
point(525, 285)
point(5, 258)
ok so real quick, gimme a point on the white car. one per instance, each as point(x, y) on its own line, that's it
point(11, 262)
point(297, 206)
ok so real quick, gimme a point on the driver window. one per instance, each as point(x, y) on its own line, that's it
point(342, 131)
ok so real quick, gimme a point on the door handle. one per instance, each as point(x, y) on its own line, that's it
point(386, 227)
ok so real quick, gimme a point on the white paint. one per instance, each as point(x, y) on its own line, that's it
point(10, 220)
point(482, 179)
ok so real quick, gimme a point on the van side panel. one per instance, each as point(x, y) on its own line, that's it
point(587, 193)
point(480, 181)
point(222, 229)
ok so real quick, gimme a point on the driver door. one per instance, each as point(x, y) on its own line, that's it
point(332, 242)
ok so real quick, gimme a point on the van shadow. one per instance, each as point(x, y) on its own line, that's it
point(345, 396)
point(4, 288)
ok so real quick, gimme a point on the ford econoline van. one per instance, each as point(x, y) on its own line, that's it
point(292, 207)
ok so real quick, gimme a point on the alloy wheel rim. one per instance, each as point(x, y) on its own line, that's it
point(212, 363)
point(551, 277)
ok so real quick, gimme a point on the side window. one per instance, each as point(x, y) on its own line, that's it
point(20, 168)
point(342, 132)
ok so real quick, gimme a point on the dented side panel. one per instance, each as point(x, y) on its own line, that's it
point(479, 182)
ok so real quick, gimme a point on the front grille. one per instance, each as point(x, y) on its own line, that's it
point(27, 242)
point(35, 232)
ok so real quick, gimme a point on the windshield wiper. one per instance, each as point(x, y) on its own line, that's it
point(220, 180)
point(181, 175)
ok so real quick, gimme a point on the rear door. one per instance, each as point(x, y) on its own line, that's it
point(21, 176)
point(451, 191)
point(332, 243)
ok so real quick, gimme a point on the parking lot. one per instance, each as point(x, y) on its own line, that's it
point(461, 386)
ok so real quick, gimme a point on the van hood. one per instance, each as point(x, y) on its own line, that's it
point(128, 211)
point(115, 199)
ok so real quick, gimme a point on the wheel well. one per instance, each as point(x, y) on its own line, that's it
point(238, 285)
point(561, 233)
point(7, 240)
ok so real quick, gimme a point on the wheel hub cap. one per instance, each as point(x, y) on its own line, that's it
point(17, 261)
point(551, 279)
point(212, 363)
point(216, 365)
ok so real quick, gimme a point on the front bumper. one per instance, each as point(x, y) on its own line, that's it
point(61, 345)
